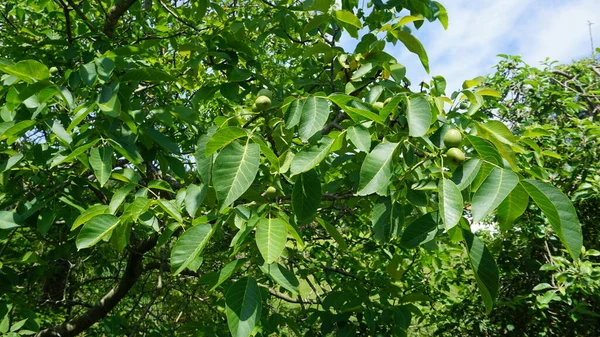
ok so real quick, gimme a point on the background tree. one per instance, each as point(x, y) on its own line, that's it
point(135, 170)
point(543, 292)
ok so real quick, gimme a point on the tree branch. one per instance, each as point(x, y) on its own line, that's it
point(334, 124)
point(133, 270)
point(170, 11)
point(66, 12)
point(114, 14)
point(290, 299)
point(8, 20)
point(82, 16)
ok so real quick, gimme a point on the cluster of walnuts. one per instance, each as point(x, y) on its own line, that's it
point(453, 141)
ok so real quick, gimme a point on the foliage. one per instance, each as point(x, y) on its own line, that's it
point(543, 292)
point(135, 171)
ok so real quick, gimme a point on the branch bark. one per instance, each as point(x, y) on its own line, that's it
point(114, 14)
point(133, 270)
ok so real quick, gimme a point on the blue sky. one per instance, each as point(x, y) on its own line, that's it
point(479, 30)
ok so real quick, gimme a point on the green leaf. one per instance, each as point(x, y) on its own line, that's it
point(95, 229)
point(243, 303)
point(346, 103)
point(484, 266)
point(61, 133)
point(418, 114)
point(62, 159)
point(387, 218)
point(442, 15)
point(224, 137)
point(282, 276)
point(306, 197)
point(464, 175)
point(171, 209)
point(267, 152)
point(416, 297)
point(27, 70)
point(119, 237)
point(485, 149)
point(315, 113)
point(162, 140)
point(502, 138)
point(101, 162)
point(309, 157)
point(271, 237)
point(439, 84)
point(234, 171)
point(409, 18)
point(542, 286)
point(414, 45)
point(488, 92)
point(147, 75)
point(9, 220)
point(128, 151)
point(194, 196)
point(189, 246)
point(204, 164)
point(315, 22)
point(450, 203)
point(560, 213)
point(12, 161)
point(317, 5)
point(512, 207)
point(17, 129)
point(88, 74)
point(496, 187)
point(334, 233)
point(420, 231)
point(347, 17)
point(360, 137)
point(18, 325)
point(226, 272)
point(160, 185)
point(109, 103)
point(397, 71)
point(139, 206)
point(89, 214)
point(362, 71)
point(294, 113)
point(119, 196)
point(376, 170)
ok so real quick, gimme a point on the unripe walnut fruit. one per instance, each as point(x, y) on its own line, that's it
point(456, 156)
point(452, 138)
point(262, 103)
point(271, 191)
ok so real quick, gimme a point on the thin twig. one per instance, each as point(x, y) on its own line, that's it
point(82, 16)
point(8, 20)
point(177, 16)
point(290, 299)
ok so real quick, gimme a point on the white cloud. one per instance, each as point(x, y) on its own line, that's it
point(478, 31)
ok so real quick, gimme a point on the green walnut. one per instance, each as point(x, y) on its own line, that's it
point(254, 108)
point(262, 103)
point(270, 192)
point(456, 156)
point(387, 100)
point(463, 106)
point(452, 138)
point(378, 105)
